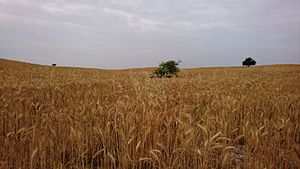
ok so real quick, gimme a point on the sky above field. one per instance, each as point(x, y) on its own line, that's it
point(142, 33)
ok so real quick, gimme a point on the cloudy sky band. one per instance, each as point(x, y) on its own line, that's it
point(141, 33)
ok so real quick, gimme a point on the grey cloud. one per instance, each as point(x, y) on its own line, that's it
point(137, 33)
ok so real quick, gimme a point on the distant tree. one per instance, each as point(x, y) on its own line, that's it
point(167, 69)
point(249, 62)
point(53, 65)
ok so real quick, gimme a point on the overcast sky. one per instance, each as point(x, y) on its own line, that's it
point(142, 33)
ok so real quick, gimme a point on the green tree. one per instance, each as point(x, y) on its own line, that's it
point(249, 61)
point(167, 69)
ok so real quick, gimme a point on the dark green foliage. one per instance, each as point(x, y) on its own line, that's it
point(167, 69)
point(249, 61)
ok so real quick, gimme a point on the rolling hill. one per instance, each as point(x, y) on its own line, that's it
point(63, 117)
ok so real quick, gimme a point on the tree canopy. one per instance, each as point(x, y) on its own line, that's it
point(249, 62)
point(167, 69)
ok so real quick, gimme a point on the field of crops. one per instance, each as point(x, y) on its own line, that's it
point(55, 117)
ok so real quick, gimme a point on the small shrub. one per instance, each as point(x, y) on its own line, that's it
point(167, 69)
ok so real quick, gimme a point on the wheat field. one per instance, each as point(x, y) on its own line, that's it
point(58, 117)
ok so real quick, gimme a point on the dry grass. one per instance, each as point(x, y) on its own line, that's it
point(53, 117)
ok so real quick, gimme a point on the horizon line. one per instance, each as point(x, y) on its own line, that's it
point(147, 67)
